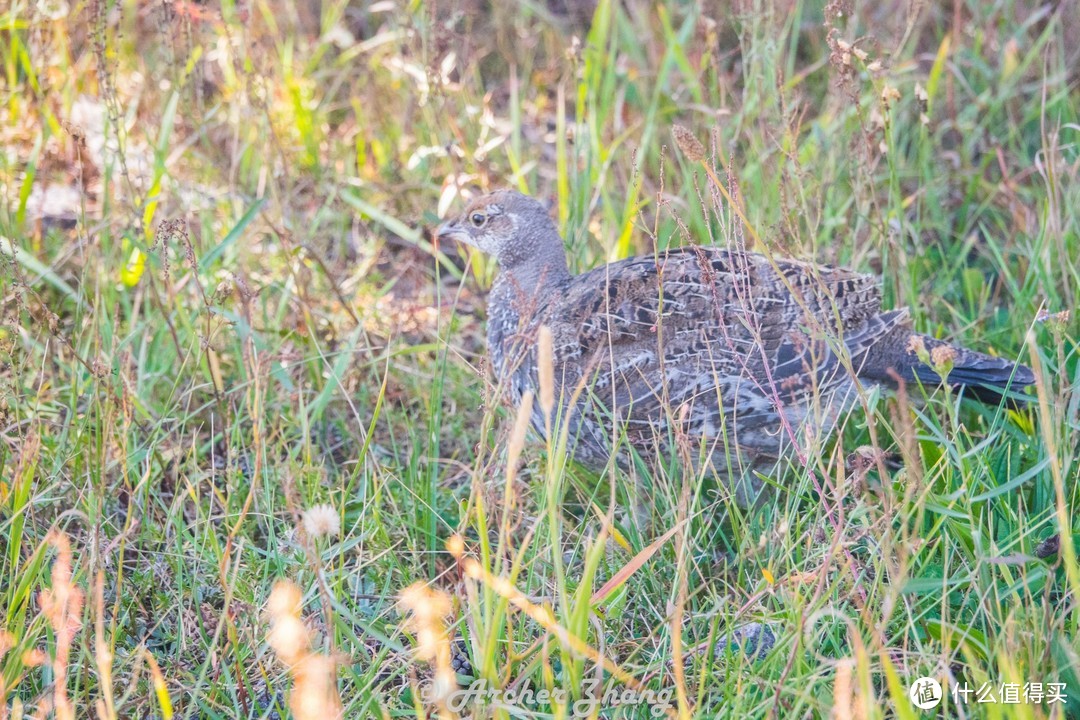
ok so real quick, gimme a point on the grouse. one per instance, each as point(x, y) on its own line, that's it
point(742, 354)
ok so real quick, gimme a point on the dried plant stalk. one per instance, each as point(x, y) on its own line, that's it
point(428, 609)
point(103, 655)
point(315, 694)
point(688, 143)
point(62, 606)
point(517, 437)
point(546, 370)
point(695, 152)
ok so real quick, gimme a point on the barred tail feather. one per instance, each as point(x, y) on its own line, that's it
point(983, 377)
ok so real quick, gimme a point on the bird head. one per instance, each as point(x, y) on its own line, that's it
point(504, 224)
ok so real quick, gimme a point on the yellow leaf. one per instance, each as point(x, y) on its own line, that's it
point(132, 272)
point(633, 566)
point(768, 576)
point(160, 688)
point(1012, 59)
point(617, 536)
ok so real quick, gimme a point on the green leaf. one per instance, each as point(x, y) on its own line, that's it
point(233, 235)
point(42, 271)
point(1014, 483)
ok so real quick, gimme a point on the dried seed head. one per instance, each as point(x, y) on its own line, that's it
point(942, 358)
point(62, 607)
point(917, 347)
point(428, 609)
point(289, 639)
point(34, 657)
point(315, 695)
point(843, 690)
point(322, 520)
point(688, 143)
point(455, 545)
point(285, 599)
point(222, 291)
point(288, 636)
point(1058, 318)
point(517, 437)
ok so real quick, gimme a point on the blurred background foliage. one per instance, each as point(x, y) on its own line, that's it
point(222, 307)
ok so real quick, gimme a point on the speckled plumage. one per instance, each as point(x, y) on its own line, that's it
point(735, 352)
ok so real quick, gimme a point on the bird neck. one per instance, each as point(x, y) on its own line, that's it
point(519, 290)
point(525, 285)
point(534, 263)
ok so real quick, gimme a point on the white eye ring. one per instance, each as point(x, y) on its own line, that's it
point(478, 219)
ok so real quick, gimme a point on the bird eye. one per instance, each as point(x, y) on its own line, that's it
point(478, 219)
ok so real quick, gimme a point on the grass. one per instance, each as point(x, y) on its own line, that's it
point(222, 308)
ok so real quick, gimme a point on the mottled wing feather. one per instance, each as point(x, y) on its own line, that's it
point(721, 332)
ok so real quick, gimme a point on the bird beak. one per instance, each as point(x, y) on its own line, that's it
point(452, 230)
